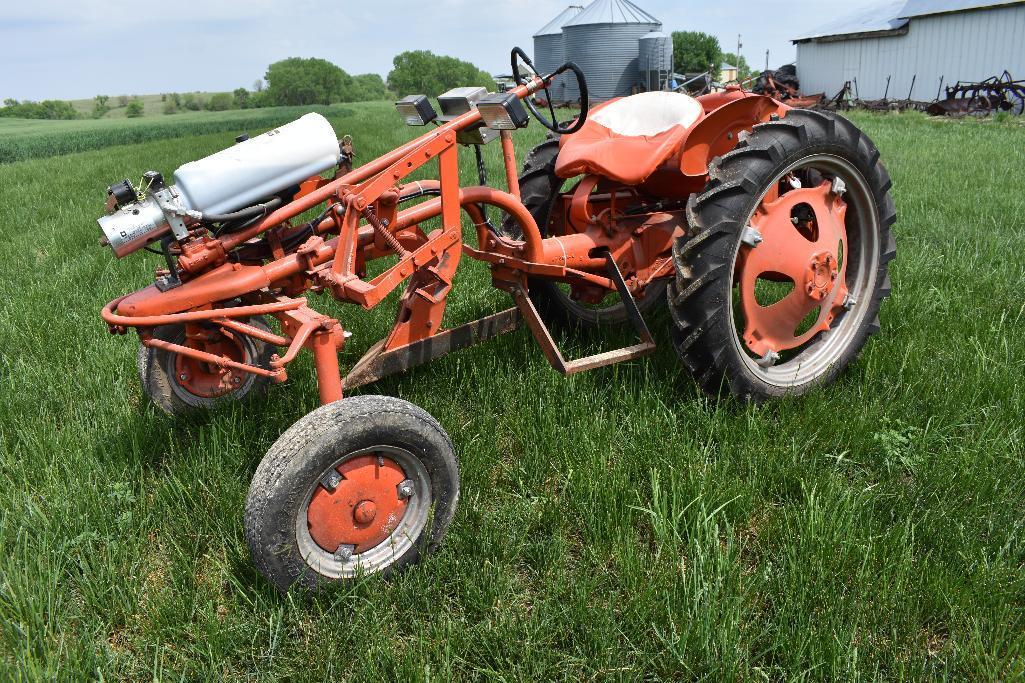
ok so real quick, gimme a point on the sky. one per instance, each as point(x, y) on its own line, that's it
point(70, 49)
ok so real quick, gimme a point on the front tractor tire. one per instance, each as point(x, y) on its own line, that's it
point(781, 275)
point(179, 385)
point(361, 486)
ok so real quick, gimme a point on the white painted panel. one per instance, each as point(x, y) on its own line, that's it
point(967, 46)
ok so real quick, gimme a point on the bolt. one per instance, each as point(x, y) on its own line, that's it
point(380, 461)
point(838, 187)
point(849, 302)
point(794, 181)
point(365, 512)
point(236, 380)
point(183, 377)
point(331, 481)
point(344, 552)
point(768, 360)
point(405, 489)
point(751, 237)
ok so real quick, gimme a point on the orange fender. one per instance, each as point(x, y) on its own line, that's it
point(716, 134)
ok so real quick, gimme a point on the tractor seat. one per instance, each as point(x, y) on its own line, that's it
point(626, 139)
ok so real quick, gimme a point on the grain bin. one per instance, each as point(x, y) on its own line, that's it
point(550, 52)
point(655, 60)
point(604, 40)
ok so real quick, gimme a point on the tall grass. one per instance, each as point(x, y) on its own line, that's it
point(612, 525)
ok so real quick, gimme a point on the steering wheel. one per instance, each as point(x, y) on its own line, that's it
point(551, 124)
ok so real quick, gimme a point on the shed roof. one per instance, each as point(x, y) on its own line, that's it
point(921, 8)
point(554, 27)
point(894, 15)
point(612, 12)
point(883, 16)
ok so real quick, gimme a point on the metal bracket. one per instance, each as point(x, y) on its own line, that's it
point(378, 363)
point(551, 350)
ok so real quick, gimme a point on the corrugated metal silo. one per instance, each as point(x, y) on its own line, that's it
point(604, 40)
point(655, 60)
point(550, 52)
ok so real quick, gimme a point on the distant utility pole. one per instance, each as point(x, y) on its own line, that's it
point(766, 60)
point(739, 45)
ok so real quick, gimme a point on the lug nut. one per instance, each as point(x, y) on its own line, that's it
point(331, 481)
point(344, 552)
point(405, 489)
point(751, 237)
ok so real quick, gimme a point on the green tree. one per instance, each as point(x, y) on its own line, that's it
point(695, 52)
point(297, 81)
point(241, 98)
point(134, 109)
point(47, 109)
point(100, 106)
point(420, 72)
point(221, 101)
point(122, 100)
point(170, 107)
point(367, 87)
point(192, 102)
point(743, 68)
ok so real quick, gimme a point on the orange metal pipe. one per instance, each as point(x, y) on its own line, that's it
point(325, 358)
point(361, 174)
point(112, 318)
point(512, 177)
point(220, 361)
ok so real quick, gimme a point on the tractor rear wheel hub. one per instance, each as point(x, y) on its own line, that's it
point(821, 275)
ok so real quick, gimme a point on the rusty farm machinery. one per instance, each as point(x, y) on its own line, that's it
point(763, 229)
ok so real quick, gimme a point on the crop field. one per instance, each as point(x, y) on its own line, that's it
point(28, 138)
point(615, 525)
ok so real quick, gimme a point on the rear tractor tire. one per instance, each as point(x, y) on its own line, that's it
point(179, 385)
point(540, 187)
point(361, 486)
point(780, 278)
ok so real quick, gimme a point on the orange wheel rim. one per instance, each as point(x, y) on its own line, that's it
point(364, 507)
point(810, 256)
point(207, 380)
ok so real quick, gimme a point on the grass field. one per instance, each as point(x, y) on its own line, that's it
point(22, 139)
point(613, 525)
point(152, 105)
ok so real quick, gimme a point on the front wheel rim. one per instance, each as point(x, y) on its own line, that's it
point(364, 522)
point(850, 216)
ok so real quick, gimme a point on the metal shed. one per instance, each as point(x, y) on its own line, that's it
point(604, 40)
point(914, 42)
point(550, 50)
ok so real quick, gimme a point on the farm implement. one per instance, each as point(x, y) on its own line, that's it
point(764, 229)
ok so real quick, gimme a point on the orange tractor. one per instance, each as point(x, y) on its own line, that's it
point(764, 229)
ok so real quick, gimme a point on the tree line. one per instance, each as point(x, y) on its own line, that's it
point(695, 52)
point(289, 82)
